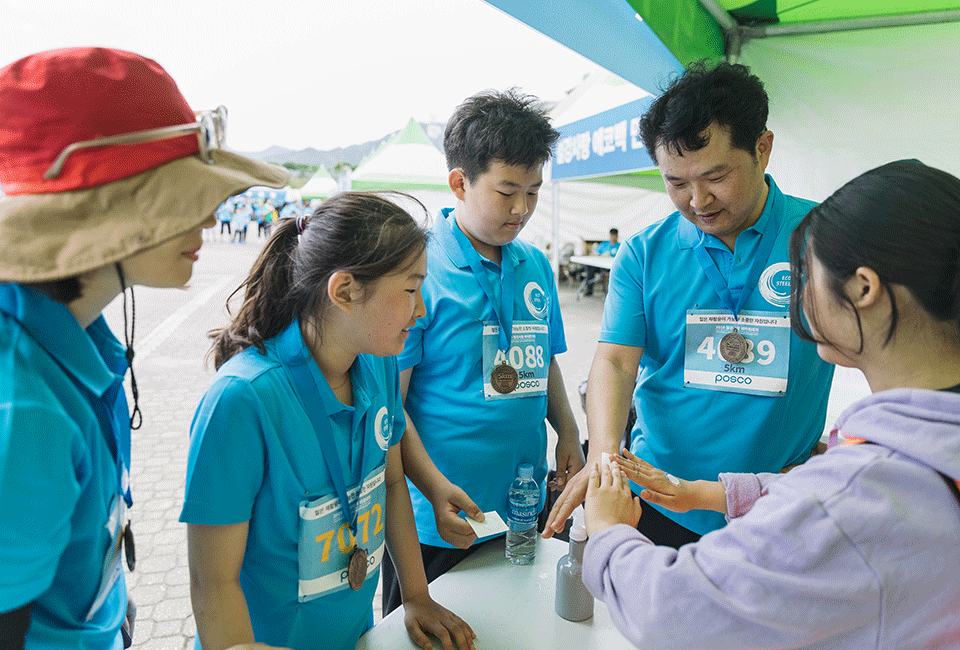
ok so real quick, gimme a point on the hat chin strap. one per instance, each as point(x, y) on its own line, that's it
point(136, 417)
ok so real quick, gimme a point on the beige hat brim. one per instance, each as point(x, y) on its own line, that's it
point(53, 236)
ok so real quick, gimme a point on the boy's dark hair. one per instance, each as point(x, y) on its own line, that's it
point(614, 231)
point(508, 126)
point(725, 93)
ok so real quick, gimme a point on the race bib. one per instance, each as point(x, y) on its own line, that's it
point(326, 540)
point(749, 354)
point(528, 357)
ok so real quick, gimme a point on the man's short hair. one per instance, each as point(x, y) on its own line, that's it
point(507, 126)
point(614, 231)
point(725, 93)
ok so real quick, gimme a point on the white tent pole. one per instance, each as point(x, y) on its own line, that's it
point(555, 248)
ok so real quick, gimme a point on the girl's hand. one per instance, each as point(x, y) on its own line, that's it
point(609, 499)
point(422, 614)
point(669, 491)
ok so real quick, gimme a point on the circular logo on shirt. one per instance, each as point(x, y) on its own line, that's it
point(537, 300)
point(381, 428)
point(774, 284)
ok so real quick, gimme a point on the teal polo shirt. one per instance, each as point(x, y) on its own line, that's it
point(63, 413)
point(475, 443)
point(695, 433)
point(255, 457)
point(606, 248)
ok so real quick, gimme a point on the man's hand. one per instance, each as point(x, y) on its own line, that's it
point(573, 494)
point(448, 502)
point(609, 499)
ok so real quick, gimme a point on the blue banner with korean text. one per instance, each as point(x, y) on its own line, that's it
point(603, 144)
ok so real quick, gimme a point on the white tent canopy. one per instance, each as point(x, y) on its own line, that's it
point(843, 103)
point(587, 210)
point(320, 186)
point(597, 92)
point(409, 163)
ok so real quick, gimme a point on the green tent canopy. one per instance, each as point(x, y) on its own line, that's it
point(646, 41)
point(853, 84)
point(695, 29)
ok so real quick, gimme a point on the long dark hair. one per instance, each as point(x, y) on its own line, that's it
point(363, 233)
point(903, 221)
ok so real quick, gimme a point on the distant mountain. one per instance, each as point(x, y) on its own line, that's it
point(352, 154)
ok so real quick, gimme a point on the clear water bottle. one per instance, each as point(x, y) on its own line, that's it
point(524, 506)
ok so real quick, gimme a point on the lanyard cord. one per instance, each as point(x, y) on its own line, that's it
point(136, 416)
point(306, 386)
point(503, 311)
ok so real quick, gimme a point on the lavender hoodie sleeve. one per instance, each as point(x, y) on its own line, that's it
point(743, 490)
point(767, 580)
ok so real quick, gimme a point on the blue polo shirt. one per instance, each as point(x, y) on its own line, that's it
point(606, 248)
point(696, 433)
point(63, 416)
point(475, 443)
point(255, 457)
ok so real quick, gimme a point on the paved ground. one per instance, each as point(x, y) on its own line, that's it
point(171, 345)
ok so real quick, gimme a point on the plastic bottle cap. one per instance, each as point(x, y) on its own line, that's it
point(578, 532)
point(525, 470)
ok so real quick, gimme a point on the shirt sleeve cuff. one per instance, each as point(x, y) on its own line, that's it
point(743, 490)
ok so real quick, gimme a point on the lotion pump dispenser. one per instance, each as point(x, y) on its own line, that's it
point(574, 602)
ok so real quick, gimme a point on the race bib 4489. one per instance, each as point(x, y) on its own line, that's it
point(747, 354)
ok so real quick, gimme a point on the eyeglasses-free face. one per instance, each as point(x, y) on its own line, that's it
point(210, 127)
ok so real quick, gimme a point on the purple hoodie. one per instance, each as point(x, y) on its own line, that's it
point(857, 548)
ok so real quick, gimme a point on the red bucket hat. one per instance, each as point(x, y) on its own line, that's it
point(73, 203)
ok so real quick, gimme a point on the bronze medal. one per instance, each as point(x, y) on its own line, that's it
point(357, 569)
point(504, 379)
point(733, 347)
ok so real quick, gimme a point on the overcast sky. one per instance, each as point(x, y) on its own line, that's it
point(303, 73)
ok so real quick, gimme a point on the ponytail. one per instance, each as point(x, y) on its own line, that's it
point(362, 233)
point(267, 309)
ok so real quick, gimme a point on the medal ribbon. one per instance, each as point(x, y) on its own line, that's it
point(503, 310)
point(296, 367)
point(767, 240)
